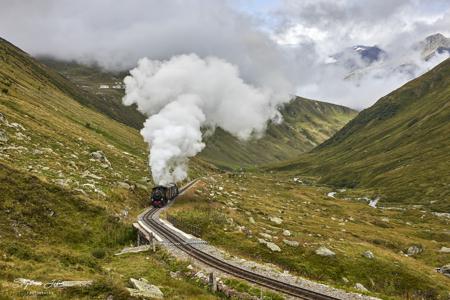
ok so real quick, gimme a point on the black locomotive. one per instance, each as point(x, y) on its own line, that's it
point(161, 195)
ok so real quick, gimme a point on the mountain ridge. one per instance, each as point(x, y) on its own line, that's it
point(396, 147)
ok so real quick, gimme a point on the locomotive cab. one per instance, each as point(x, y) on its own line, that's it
point(161, 195)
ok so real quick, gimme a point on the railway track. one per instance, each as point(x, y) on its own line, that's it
point(150, 218)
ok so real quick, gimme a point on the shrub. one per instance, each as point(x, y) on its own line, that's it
point(99, 253)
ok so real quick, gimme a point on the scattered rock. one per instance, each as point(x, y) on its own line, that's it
point(72, 283)
point(16, 126)
point(48, 150)
point(444, 250)
point(368, 254)
point(324, 251)
point(296, 179)
point(2, 118)
point(123, 185)
point(273, 247)
point(81, 191)
point(251, 220)
point(344, 279)
point(265, 235)
point(360, 287)
point(20, 136)
point(101, 157)
point(144, 289)
point(331, 194)
point(27, 282)
point(3, 136)
point(286, 233)
point(37, 152)
point(414, 250)
point(134, 249)
point(445, 270)
point(291, 243)
point(276, 220)
point(142, 186)
point(262, 241)
point(90, 175)
point(62, 182)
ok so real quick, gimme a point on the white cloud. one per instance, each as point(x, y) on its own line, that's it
point(286, 45)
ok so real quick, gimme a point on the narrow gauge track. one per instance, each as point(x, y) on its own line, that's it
point(150, 218)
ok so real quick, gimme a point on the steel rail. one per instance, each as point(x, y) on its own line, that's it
point(151, 219)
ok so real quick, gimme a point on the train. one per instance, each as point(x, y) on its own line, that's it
point(161, 195)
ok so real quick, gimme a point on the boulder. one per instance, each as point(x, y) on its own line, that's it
point(3, 136)
point(368, 254)
point(273, 247)
point(101, 157)
point(137, 249)
point(37, 152)
point(276, 220)
point(123, 185)
point(90, 175)
point(74, 283)
point(142, 288)
point(286, 233)
point(16, 126)
point(360, 287)
point(27, 282)
point(445, 270)
point(414, 250)
point(324, 251)
point(262, 241)
point(444, 250)
point(291, 243)
point(265, 235)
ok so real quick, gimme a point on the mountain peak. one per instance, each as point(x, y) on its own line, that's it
point(434, 43)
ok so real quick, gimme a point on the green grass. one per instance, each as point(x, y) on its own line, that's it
point(63, 215)
point(88, 80)
point(347, 227)
point(307, 123)
point(399, 147)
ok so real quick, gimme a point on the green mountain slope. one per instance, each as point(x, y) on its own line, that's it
point(72, 181)
point(399, 147)
point(101, 90)
point(306, 123)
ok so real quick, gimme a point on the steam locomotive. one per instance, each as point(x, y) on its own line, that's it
point(161, 195)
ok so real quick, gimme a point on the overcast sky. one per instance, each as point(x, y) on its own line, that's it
point(275, 43)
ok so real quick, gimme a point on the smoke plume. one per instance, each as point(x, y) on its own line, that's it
point(182, 95)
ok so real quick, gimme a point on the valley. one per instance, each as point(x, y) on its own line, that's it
point(74, 176)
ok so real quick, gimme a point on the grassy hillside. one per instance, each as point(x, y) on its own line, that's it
point(237, 211)
point(306, 124)
point(107, 99)
point(399, 147)
point(65, 207)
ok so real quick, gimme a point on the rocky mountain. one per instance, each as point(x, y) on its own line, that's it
point(398, 147)
point(363, 61)
point(359, 56)
point(436, 43)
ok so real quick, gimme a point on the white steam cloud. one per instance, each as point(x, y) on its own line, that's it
point(182, 95)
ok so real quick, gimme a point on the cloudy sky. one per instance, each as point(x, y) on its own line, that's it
point(280, 44)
